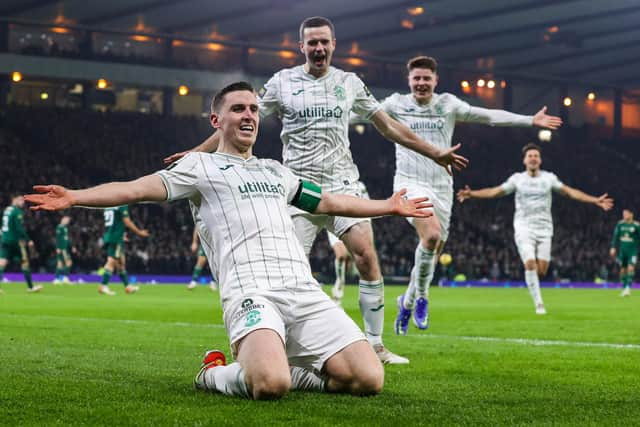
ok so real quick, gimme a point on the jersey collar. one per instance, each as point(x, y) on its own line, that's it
point(311, 77)
point(422, 106)
point(235, 158)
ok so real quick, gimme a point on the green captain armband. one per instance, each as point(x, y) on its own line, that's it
point(307, 197)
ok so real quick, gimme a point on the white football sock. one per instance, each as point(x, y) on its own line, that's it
point(372, 308)
point(341, 272)
point(306, 380)
point(421, 275)
point(533, 283)
point(227, 380)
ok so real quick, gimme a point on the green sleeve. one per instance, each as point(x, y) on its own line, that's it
point(616, 236)
point(125, 211)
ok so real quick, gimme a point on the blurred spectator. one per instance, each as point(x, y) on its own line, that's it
point(79, 148)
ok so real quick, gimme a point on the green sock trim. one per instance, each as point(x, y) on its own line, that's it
point(196, 273)
point(124, 277)
point(106, 276)
point(27, 277)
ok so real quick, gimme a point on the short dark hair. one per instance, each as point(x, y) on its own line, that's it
point(314, 22)
point(531, 146)
point(218, 100)
point(422, 62)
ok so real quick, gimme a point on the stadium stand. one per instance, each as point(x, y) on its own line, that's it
point(79, 148)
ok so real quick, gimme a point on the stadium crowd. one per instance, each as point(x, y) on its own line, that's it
point(78, 148)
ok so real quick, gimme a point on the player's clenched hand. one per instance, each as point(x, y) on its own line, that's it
point(144, 233)
point(175, 157)
point(51, 198)
point(612, 252)
point(543, 120)
point(410, 207)
point(464, 194)
point(449, 159)
point(605, 202)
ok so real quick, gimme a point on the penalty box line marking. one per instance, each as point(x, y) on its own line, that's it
point(534, 342)
point(521, 341)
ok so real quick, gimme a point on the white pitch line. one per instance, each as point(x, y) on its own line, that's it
point(521, 341)
point(126, 321)
point(534, 342)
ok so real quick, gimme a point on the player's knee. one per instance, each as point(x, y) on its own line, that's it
point(270, 386)
point(430, 239)
point(430, 234)
point(366, 256)
point(369, 382)
point(343, 257)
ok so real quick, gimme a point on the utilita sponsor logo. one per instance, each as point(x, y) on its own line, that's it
point(429, 125)
point(261, 187)
point(315, 112)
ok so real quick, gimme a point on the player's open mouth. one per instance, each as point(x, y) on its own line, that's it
point(247, 128)
point(319, 59)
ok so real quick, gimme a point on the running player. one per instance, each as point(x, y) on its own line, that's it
point(15, 242)
point(314, 101)
point(624, 247)
point(115, 221)
point(63, 254)
point(285, 332)
point(433, 117)
point(200, 263)
point(532, 221)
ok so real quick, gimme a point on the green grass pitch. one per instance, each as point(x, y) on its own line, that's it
point(69, 356)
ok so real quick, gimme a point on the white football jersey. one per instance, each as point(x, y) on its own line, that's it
point(240, 209)
point(315, 122)
point(435, 122)
point(533, 201)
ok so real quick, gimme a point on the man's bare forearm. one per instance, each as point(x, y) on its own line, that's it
point(486, 193)
point(344, 205)
point(147, 188)
point(575, 194)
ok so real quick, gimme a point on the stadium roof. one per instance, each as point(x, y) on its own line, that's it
point(589, 40)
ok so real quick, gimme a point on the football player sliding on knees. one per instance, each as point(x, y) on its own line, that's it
point(234, 215)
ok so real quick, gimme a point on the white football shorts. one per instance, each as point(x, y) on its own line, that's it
point(308, 225)
point(442, 202)
point(312, 327)
point(532, 246)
